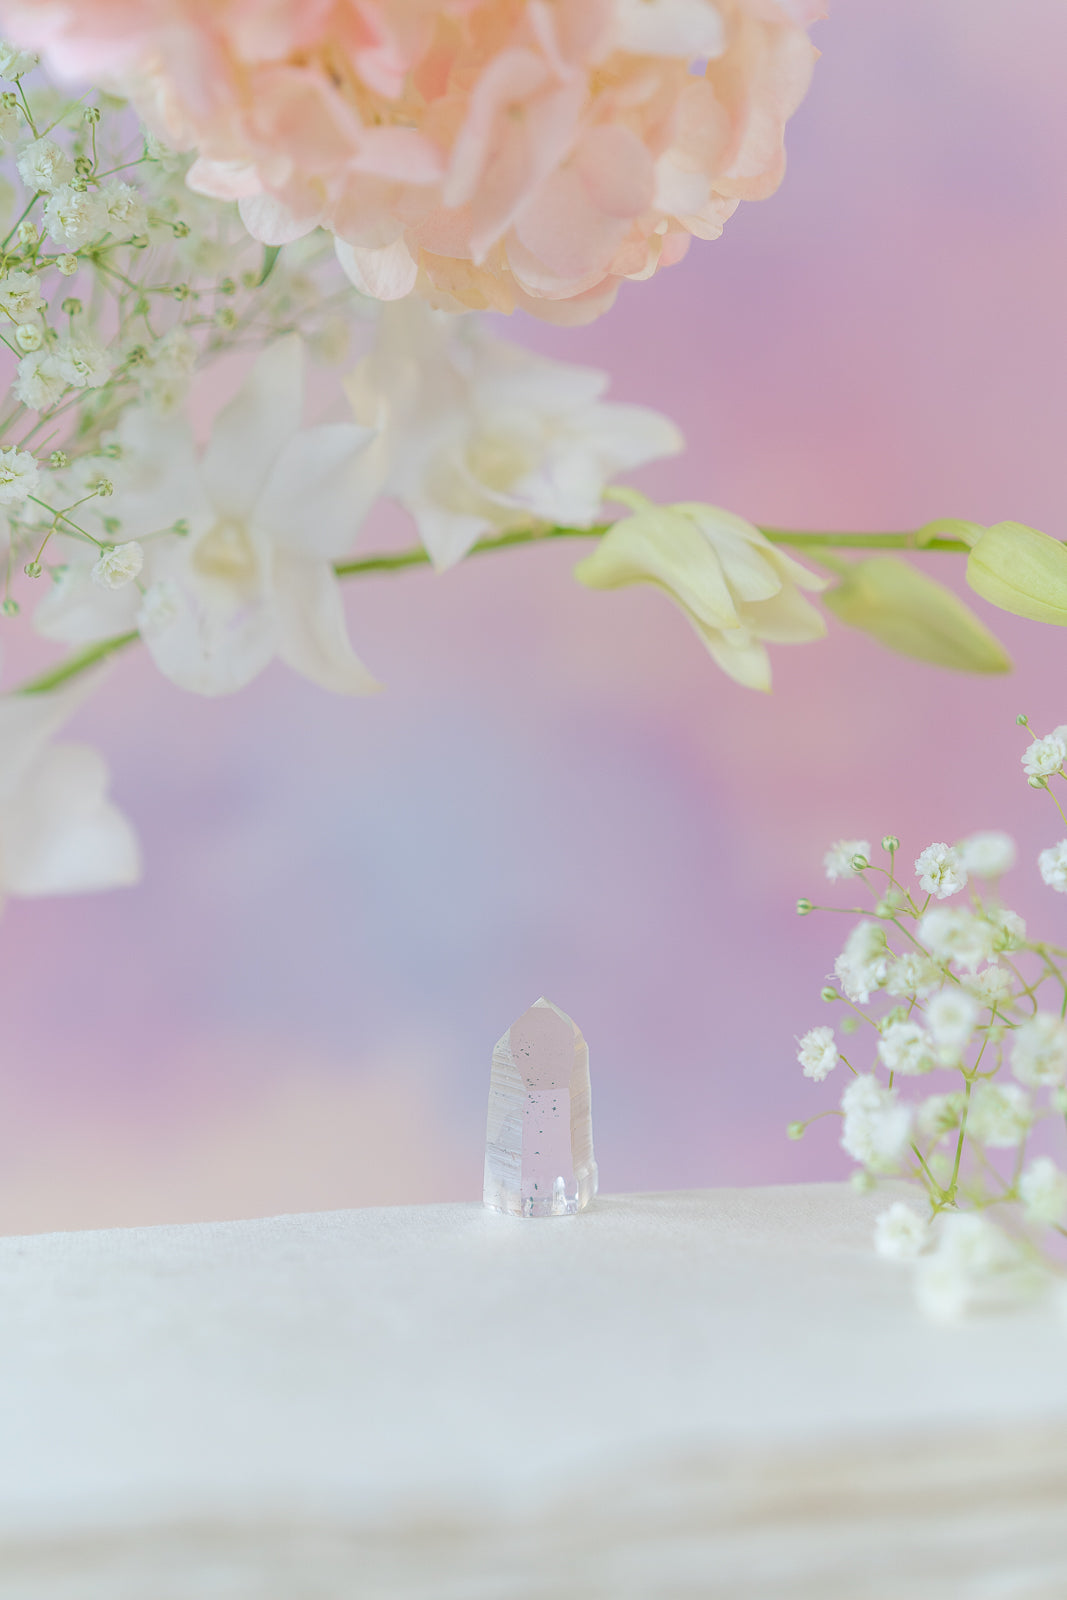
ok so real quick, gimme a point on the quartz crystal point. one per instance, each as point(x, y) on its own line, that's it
point(539, 1135)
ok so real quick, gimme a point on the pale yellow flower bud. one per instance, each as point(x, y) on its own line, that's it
point(1022, 571)
point(908, 612)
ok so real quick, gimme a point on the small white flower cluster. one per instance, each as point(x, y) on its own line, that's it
point(968, 994)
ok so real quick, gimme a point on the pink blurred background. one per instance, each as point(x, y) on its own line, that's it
point(347, 902)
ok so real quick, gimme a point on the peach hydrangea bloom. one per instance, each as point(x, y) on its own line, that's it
point(480, 153)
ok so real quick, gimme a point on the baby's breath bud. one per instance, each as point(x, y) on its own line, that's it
point(112, 450)
point(898, 1014)
point(890, 843)
point(227, 286)
point(1023, 720)
point(112, 525)
point(92, 113)
point(105, 488)
point(140, 241)
point(885, 908)
point(59, 458)
point(803, 907)
point(226, 317)
point(250, 279)
point(849, 1024)
point(859, 863)
point(27, 232)
point(181, 527)
point(67, 264)
point(862, 1181)
point(79, 184)
point(180, 291)
point(29, 337)
point(1059, 1099)
point(1037, 783)
point(32, 569)
point(829, 993)
point(181, 229)
point(83, 167)
point(137, 356)
point(795, 1130)
point(71, 307)
point(10, 607)
point(9, 101)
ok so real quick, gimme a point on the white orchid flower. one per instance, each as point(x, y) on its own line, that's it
point(483, 437)
point(59, 833)
point(268, 507)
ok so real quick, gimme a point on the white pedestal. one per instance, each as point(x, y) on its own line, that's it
point(718, 1394)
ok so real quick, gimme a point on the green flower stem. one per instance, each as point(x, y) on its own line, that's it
point(81, 660)
point(507, 541)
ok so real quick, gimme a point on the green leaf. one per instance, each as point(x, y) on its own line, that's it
point(271, 252)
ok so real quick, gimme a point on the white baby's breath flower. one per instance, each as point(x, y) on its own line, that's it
point(14, 63)
point(44, 166)
point(74, 216)
point(1000, 1115)
point(29, 336)
point(900, 1234)
point(838, 859)
point(987, 855)
point(1009, 929)
point(817, 1053)
point(39, 383)
point(914, 974)
point(951, 1017)
point(19, 476)
point(1046, 755)
point(990, 987)
point(1043, 1191)
point(905, 1048)
point(1053, 866)
point(118, 566)
point(975, 1264)
point(877, 1125)
point(127, 214)
point(1039, 1050)
point(67, 265)
point(956, 935)
point(939, 1114)
point(164, 377)
point(863, 965)
point(82, 362)
point(20, 296)
point(940, 871)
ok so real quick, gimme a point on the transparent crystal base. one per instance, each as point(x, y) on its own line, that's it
point(539, 1138)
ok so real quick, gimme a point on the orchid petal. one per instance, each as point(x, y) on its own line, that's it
point(250, 433)
point(61, 833)
point(313, 633)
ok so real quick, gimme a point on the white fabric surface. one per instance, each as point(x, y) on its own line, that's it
point(697, 1394)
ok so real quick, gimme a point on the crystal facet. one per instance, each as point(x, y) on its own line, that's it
point(539, 1137)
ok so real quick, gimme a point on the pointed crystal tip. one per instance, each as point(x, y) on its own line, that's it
point(539, 1136)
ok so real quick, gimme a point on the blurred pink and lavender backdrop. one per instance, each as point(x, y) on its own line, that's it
point(347, 902)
